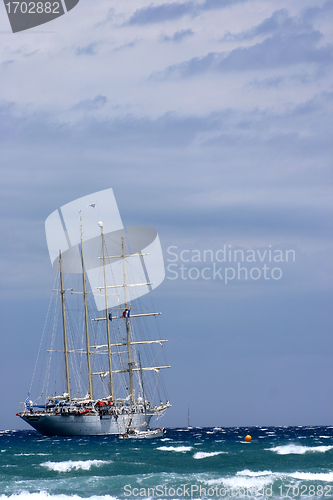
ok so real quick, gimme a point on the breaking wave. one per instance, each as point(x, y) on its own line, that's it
point(44, 495)
point(202, 454)
point(175, 448)
point(70, 464)
point(294, 449)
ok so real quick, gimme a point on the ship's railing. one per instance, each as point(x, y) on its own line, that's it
point(22, 407)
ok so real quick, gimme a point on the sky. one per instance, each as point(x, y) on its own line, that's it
point(211, 121)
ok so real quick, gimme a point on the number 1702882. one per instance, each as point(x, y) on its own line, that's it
point(33, 7)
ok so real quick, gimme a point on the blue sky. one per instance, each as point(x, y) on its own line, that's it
point(211, 121)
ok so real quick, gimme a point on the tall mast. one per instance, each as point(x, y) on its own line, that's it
point(142, 386)
point(62, 291)
point(90, 383)
point(107, 315)
point(128, 338)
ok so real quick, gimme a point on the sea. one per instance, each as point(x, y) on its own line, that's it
point(278, 462)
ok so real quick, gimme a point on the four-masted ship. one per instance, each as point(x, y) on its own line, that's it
point(104, 387)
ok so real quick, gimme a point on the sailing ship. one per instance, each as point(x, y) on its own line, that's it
point(104, 389)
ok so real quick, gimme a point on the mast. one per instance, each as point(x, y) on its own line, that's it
point(143, 389)
point(62, 291)
point(128, 338)
point(107, 316)
point(90, 383)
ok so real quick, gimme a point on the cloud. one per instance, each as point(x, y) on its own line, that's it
point(162, 13)
point(91, 104)
point(176, 10)
point(89, 50)
point(279, 22)
point(266, 83)
point(178, 36)
point(126, 45)
point(273, 52)
point(6, 63)
point(312, 13)
point(109, 18)
point(238, 133)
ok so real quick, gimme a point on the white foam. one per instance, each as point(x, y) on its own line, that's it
point(251, 473)
point(236, 482)
point(29, 454)
point(70, 464)
point(44, 495)
point(260, 479)
point(312, 476)
point(175, 448)
point(294, 449)
point(202, 454)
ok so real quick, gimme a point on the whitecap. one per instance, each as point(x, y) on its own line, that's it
point(71, 464)
point(250, 473)
point(294, 449)
point(236, 482)
point(175, 448)
point(23, 454)
point(312, 476)
point(202, 454)
point(44, 495)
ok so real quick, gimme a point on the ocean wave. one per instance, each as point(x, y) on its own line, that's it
point(238, 481)
point(251, 473)
point(312, 476)
point(70, 464)
point(175, 448)
point(44, 495)
point(31, 454)
point(202, 454)
point(295, 449)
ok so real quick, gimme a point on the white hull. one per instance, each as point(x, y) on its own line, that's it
point(85, 425)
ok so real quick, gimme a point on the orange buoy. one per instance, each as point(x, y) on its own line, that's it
point(248, 438)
